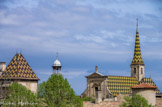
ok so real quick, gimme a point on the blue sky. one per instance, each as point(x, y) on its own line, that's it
point(85, 33)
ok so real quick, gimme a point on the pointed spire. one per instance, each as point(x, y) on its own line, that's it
point(137, 26)
point(137, 59)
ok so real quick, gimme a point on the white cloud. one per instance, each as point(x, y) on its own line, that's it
point(124, 7)
point(68, 31)
point(118, 72)
point(90, 38)
point(9, 20)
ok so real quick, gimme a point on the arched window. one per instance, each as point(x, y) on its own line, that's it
point(134, 70)
point(141, 70)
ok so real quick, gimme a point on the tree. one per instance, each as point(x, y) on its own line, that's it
point(135, 101)
point(57, 92)
point(41, 89)
point(18, 95)
point(41, 94)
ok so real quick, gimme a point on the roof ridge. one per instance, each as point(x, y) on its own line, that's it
point(120, 76)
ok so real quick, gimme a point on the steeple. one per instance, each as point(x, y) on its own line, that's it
point(137, 65)
point(137, 59)
point(137, 26)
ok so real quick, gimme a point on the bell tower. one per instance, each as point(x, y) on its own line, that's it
point(137, 65)
point(56, 66)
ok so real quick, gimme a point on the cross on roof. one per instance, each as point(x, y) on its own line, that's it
point(57, 55)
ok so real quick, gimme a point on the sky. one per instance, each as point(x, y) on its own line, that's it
point(85, 33)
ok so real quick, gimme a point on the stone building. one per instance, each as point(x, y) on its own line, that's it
point(19, 71)
point(101, 86)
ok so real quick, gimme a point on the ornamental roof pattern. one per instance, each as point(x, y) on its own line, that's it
point(151, 82)
point(137, 59)
point(122, 84)
point(18, 68)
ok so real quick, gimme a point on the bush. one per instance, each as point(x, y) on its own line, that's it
point(19, 95)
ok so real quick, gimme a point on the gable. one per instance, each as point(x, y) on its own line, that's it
point(95, 75)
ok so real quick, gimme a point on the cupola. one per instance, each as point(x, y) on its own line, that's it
point(56, 66)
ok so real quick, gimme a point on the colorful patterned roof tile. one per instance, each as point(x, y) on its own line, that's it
point(151, 82)
point(18, 68)
point(121, 84)
point(144, 86)
point(137, 59)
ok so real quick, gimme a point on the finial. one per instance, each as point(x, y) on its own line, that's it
point(57, 55)
point(137, 25)
point(96, 68)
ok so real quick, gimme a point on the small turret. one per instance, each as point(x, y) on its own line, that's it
point(56, 66)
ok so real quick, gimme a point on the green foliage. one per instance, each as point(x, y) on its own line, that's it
point(19, 95)
point(135, 101)
point(88, 99)
point(57, 93)
point(41, 89)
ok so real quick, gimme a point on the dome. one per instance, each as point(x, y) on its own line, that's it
point(57, 63)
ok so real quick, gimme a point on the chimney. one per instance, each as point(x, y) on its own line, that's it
point(96, 68)
point(2, 67)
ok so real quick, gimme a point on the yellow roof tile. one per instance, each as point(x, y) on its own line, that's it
point(18, 68)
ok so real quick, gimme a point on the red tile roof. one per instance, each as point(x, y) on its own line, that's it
point(144, 85)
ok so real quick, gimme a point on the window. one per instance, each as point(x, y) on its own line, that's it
point(96, 88)
point(141, 70)
point(134, 70)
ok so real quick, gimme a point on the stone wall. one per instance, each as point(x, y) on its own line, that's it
point(139, 74)
point(148, 94)
point(158, 102)
point(102, 104)
point(31, 85)
point(111, 102)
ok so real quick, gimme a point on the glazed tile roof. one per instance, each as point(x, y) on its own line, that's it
point(121, 84)
point(137, 59)
point(144, 85)
point(18, 68)
point(151, 82)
